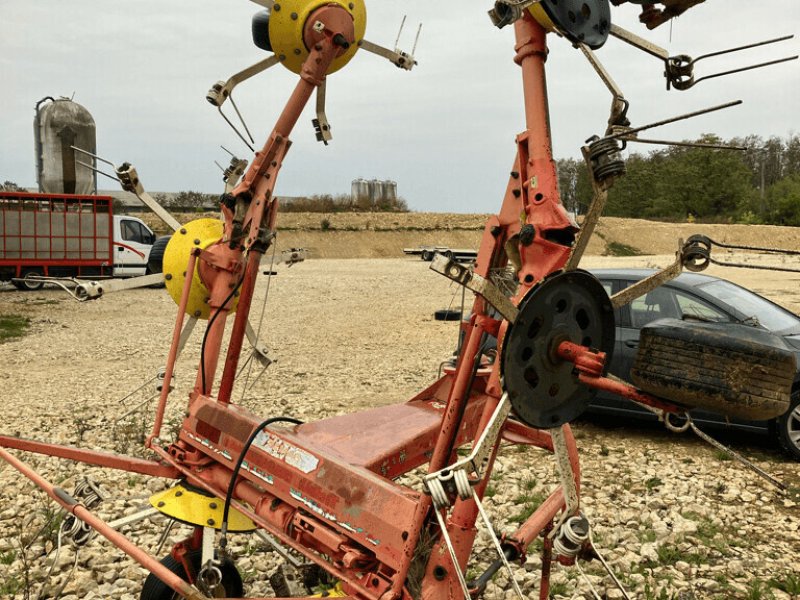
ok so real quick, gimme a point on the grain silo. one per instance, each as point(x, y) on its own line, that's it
point(57, 127)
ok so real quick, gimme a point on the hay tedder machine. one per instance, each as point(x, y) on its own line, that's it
point(331, 493)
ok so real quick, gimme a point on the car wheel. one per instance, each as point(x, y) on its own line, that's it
point(734, 370)
point(155, 262)
point(789, 428)
point(155, 589)
point(26, 283)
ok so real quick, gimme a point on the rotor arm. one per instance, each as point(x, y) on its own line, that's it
point(222, 90)
point(618, 118)
point(397, 57)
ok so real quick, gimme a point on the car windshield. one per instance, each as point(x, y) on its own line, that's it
point(754, 307)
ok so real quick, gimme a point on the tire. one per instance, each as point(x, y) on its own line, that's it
point(155, 589)
point(447, 315)
point(734, 370)
point(427, 255)
point(788, 428)
point(27, 285)
point(155, 262)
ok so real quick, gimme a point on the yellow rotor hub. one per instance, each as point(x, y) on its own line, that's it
point(287, 23)
point(335, 592)
point(201, 234)
point(542, 18)
point(193, 508)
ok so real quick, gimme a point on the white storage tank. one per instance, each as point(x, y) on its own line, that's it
point(390, 190)
point(58, 125)
point(359, 189)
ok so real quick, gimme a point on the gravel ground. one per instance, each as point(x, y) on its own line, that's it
point(672, 515)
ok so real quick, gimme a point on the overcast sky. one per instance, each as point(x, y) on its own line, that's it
point(445, 132)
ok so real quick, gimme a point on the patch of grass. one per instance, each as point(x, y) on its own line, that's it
point(11, 587)
point(604, 451)
point(651, 594)
point(491, 491)
point(8, 557)
point(558, 589)
point(722, 456)
point(13, 326)
point(758, 590)
point(618, 249)
point(647, 536)
point(789, 584)
point(653, 483)
point(529, 503)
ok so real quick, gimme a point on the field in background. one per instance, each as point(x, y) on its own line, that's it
point(384, 235)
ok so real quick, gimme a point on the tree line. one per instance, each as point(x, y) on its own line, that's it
point(758, 185)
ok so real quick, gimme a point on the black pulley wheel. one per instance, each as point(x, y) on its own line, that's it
point(230, 587)
point(581, 21)
point(544, 390)
point(735, 370)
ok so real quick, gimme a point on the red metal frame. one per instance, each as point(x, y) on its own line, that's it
point(98, 204)
point(327, 489)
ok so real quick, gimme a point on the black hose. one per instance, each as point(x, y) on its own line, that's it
point(479, 584)
point(237, 468)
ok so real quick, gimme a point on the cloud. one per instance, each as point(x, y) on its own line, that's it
point(445, 131)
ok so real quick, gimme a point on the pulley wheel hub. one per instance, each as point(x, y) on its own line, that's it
point(580, 21)
point(543, 389)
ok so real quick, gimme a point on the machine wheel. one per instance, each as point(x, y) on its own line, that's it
point(427, 255)
point(447, 315)
point(734, 370)
point(27, 284)
point(788, 426)
point(155, 589)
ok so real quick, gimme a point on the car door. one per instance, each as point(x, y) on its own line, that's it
point(131, 248)
point(612, 286)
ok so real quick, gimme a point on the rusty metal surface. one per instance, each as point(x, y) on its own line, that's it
point(120, 541)
point(91, 457)
point(366, 507)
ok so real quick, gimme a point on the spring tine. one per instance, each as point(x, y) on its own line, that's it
point(96, 170)
point(232, 126)
point(743, 69)
point(746, 47)
point(399, 33)
point(236, 108)
point(684, 144)
point(416, 40)
point(82, 151)
point(738, 457)
point(673, 120)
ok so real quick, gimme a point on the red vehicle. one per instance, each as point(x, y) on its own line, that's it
point(51, 235)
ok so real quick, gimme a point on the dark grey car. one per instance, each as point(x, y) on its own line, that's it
point(693, 296)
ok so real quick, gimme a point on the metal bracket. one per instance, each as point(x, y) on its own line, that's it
point(397, 57)
point(321, 125)
point(477, 461)
point(478, 284)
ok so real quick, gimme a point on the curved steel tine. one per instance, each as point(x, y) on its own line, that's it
point(743, 69)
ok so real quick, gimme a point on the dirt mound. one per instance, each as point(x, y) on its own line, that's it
point(384, 235)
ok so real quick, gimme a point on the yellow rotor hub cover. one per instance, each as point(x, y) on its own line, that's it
point(194, 508)
point(542, 17)
point(200, 233)
point(287, 23)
